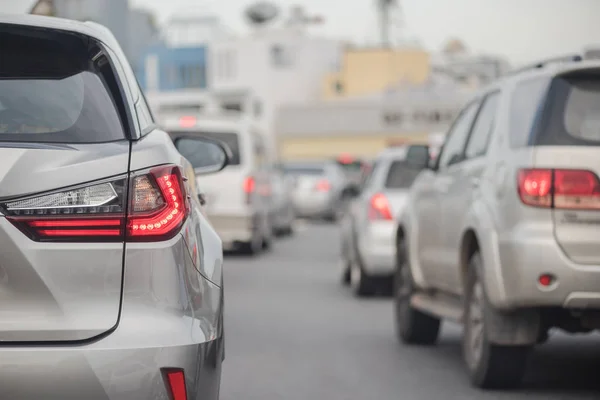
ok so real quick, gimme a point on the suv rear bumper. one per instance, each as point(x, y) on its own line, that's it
point(170, 318)
point(525, 256)
point(233, 229)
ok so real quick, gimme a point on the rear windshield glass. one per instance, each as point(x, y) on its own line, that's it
point(303, 170)
point(573, 115)
point(400, 175)
point(50, 91)
point(231, 139)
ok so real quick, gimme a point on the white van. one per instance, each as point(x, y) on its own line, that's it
point(237, 199)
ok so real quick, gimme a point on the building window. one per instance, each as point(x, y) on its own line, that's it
point(338, 87)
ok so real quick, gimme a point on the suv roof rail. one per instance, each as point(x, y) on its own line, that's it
point(546, 62)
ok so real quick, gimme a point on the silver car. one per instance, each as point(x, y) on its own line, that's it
point(369, 228)
point(318, 189)
point(502, 232)
point(110, 277)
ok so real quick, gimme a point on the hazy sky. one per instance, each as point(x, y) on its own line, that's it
point(522, 30)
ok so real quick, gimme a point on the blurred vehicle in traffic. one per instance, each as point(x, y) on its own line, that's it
point(282, 208)
point(354, 168)
point(503, 232)
point(104, 247)
point(368, 233)
point(238, 199)
point(318, 189)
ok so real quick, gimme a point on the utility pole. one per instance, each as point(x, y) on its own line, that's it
point(385, 7)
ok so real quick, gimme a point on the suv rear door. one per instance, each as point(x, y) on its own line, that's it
point(568, 140)
point(63, 162)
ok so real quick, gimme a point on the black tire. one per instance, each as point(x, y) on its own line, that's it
point(252, 248)
point(366, 286)
point(490, 366)
point(412, 325)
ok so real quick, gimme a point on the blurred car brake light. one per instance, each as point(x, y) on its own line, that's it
point(187, 121)
point(379, 208)
point(559, 188)
point(323, 186)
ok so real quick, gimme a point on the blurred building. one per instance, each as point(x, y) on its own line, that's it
point(456, 62)
point(362, 127)
point(370, 71)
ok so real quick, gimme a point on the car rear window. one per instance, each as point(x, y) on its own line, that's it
point(231, 139)
point(51, 91)
point(303, 170)
point(572, 116)
point(400, 175)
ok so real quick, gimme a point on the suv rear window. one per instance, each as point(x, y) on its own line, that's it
point(400, 175)
point(573, 112)
point(52, 92)
point(303, 170)
point(231, 139)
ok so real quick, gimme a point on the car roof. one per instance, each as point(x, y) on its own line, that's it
point(549, 71)
point(91, 29)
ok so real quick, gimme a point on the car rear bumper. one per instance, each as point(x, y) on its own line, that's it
point(233, 229)
point(377, 249)
point(526, 255)
point(170, 318)
point(313, 205)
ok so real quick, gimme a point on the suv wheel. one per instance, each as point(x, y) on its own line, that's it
point(412, 325)
point(490, 366)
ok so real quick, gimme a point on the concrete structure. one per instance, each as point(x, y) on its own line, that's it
point(269, 69)
point(370, 71)
point(364, 127)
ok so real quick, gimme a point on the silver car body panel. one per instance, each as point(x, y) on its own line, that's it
point(104, 318)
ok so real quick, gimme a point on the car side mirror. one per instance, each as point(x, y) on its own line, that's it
point(207, 156)
point(418, 156)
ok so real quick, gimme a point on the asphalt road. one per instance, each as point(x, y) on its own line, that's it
point(294, 333)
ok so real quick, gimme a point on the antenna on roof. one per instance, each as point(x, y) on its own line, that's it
point(544, 63)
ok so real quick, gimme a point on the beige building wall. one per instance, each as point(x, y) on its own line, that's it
point(370, 71)
point(364, 146)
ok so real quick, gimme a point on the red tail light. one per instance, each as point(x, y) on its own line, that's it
point(157, 208)
point(323, 186)
point(379, 208)
point(175, 382)
point(559, 188)
point(249, 187)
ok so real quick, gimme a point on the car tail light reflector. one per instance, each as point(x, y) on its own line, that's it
point(157, 209)
point(175, 382)
point(323, 185)
point(249, 186)
point(559, 188)
point(379, 208)
point(159, 205)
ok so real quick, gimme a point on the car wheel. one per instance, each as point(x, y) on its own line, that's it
point(362, 284)
point(253, 247)
point(412, 325)
point(490, 366)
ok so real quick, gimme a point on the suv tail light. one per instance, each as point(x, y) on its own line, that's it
point(323, 185)
point(249, 187)
point(559, 188)
point(379, 208)
point(157, 209)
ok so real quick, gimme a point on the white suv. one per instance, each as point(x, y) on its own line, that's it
point(503, 231)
